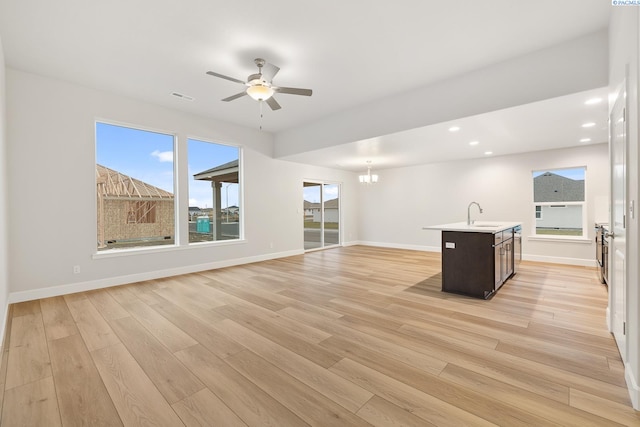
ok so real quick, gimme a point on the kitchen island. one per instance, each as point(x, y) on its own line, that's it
point(478, 258)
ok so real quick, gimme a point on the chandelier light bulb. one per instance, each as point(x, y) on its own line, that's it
point(368, 178)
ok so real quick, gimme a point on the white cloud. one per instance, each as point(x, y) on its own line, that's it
point(163, 156)
point(200, 203)
point(331, 190)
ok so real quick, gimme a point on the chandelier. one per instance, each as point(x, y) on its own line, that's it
point(368, 178)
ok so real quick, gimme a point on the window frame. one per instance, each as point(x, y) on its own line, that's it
point(558, 205)
point(180, 170)
point(174, 146)
point(241, 211)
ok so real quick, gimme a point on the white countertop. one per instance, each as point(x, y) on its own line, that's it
point(476, 227)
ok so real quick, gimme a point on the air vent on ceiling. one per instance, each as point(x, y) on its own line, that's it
point(182, 95)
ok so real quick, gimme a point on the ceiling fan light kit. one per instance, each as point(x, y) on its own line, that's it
point(260, 92)
point(260, 85)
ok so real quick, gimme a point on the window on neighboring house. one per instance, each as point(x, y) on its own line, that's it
point(214, 192)
point(559, 197)
point(135, 181)
point(141, 213)
point(538, 212)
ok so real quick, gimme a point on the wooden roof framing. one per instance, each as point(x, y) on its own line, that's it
point(118, 185)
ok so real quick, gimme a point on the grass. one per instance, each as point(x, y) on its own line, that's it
point(560, 231)
point(316, 225)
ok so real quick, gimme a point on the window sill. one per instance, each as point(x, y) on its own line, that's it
point(560, 239)
point(113, 253)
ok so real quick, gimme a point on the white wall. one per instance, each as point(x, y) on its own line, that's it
point(51, 156)
point(393, 212)
point(4, 246)
point(624, 51)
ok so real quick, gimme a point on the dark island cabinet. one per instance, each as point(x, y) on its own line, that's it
point(476, 264)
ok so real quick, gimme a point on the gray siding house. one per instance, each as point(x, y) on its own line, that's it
point(549, 188)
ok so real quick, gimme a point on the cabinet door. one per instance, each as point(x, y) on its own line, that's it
point(503, 263)
point(498, 266)
point(467, 263)
point(508, 245)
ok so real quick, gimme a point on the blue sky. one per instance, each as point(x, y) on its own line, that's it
point(148, 156)
point(312, 194)
point(203, 156)
point(571, 173)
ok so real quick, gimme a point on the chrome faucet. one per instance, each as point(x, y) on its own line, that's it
point(469, 221)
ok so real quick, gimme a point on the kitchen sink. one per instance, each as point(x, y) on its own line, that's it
point(487, 225)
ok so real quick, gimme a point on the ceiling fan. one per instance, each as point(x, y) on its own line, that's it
point(260, 85)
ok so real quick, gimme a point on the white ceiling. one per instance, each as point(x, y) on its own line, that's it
point(351, 53)
point(545, 125)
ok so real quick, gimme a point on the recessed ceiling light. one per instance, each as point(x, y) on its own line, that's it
point(588, 125)
point(585, 140)
point(474, 142)
point(454, 128)
point(593, 101)
point(488, 153)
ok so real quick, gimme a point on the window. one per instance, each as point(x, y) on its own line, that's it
point(559, 201)
point(214, 191)
point(141, 213)
point(321, 214)
point(134, 187)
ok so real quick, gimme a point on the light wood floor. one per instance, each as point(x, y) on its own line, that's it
point(349, 336)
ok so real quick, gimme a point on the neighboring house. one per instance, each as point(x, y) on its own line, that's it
point(231, 211)
point(194, 212)
point(225, 173)
point(331, 211)
point(130, 209)
point(549, 188)
point(309, 209)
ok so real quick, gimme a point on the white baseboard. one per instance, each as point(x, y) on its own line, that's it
point(632, 385)
point(559, 260)
point(33, 294)
point(53, 291)
point(400, 246)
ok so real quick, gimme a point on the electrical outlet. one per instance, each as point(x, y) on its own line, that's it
point(271, 245)
point(76, 269)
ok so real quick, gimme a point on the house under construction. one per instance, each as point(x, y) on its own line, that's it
point(131, 210)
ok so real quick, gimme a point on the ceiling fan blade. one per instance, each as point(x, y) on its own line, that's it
point(222, 76)
point(273, 103)
point(269, 71)
point(236, 96)
point(293, 90)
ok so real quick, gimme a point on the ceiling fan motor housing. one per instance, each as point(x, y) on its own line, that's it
point(255, 79)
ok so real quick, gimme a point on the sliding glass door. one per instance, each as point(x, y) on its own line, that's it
point(321, 220)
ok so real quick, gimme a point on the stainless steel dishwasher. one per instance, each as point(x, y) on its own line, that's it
point(517, 247)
